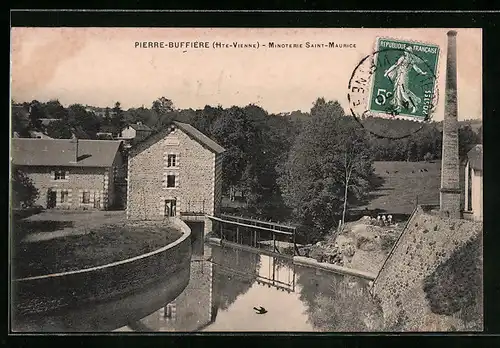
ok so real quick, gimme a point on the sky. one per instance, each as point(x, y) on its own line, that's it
point(99, 66)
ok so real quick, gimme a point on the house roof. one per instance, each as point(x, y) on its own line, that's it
point(192, 132)
point(200, 137)
point(140, 127)
point(475, 157)
point(61, 152)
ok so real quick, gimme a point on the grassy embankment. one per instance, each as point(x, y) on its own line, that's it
point(60, 241)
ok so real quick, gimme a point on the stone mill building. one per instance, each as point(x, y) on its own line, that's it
point(175, 172)
point(72, 173)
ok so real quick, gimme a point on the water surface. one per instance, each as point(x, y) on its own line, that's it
point(225, 287)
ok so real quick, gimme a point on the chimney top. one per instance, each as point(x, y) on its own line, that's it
point(451, 33)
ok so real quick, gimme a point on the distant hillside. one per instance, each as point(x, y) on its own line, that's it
point(403, 182)
point(474, 124)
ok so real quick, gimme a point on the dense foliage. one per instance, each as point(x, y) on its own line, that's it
point(24, 192)
point(328, 164)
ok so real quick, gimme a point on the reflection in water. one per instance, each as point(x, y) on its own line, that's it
point(222, 293)
point(191, 310)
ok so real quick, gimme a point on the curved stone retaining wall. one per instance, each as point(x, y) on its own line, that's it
point(71, 291)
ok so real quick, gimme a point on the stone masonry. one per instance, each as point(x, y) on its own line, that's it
point(78, 180)
point(197, 181)
point(427, 242)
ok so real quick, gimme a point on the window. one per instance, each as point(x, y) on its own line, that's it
point(64, 196)
point(86, 197)
point(171, 180)
point(171, 160)
point(60, 175)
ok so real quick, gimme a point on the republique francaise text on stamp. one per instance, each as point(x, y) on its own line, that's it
point(397, 81)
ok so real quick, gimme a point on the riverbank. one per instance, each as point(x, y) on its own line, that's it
point(61, 241)
point(362, 245)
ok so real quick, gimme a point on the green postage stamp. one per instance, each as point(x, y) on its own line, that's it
point(404, 80)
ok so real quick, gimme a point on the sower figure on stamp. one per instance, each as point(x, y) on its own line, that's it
point(399, 73)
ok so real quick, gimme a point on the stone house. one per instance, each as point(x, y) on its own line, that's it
point(175, 172)
point(135, 132)
point(473, 208)
point(71, 173)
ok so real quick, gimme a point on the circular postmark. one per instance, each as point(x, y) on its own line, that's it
point(395, 84)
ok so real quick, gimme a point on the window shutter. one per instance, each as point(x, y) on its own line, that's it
point(67, 175)
point(177, 158)
point(53, 174)
point(176, 180)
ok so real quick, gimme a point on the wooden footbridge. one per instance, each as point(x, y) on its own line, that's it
point(268, 237)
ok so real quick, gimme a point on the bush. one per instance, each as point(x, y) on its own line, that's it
point(346, 309)
point(317, 253)
point(456, 284)
point(24, 192)
point(387, 241)
point(361, 241)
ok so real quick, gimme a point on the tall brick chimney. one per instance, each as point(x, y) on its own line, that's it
point(450, 193)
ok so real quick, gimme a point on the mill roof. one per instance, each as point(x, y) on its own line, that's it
point(191, 131)
point(61, 152)
point(475, 157)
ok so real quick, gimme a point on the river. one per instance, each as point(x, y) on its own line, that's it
point(226, 284)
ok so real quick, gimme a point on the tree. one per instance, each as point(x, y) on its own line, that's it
point(36, 112)
point(54, 109)
point(117, 120)
point(204, 119)
point(233, 131)
point(59, 130)
point(357, 163)
point(107, 117)
point(84, 124)
point(467, 138)
point(323, 161)
point(164, 110)
point(142, 114)
point(20, 121)
point(24, 192)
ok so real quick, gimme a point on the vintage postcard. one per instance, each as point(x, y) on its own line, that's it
point(232, 180)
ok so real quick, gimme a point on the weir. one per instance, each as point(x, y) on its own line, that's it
point(274, 238)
